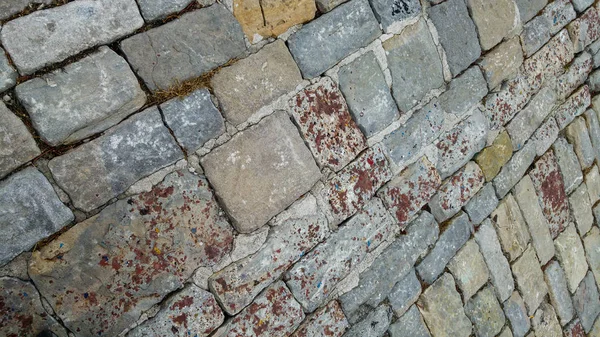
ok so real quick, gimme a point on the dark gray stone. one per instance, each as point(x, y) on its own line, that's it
point(8, 75)
point(374, 325)
point(515, 311)
point(410, 324)
point(586, 302)
point(393, 13)
point(464, 92)
point(482, 204)
point(157, 9)
point(17, 144)
point(530, 8)
point(405, 293)
point(485, 313)
point(559, 293)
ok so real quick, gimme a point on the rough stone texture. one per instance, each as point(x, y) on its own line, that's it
point(515, 311)
point(442, 310)
point(194, 119)
point(586, 302)
point(559, 293)
point(578, 135)
point(414, 64)
point(516, 167)
point(23, 313)
point(575, 76)
point(30, 211)
point(261, 160)
point(526, 122)
point(126, 153)
point(498, 266)
point(169, 54)
point(84, 98)
point(545, 135)
point(251, 83)
point(326, 125)
point(485, 313)
point(591, 119)
point(464, 92)
point(592, 251)
point(393, 14)
point(17, 144)
point(535, 34)
point(493, 158)
point(585, 30)
point(412, 189)
point(330, 318)
point(456, 191)
point(575, 329)
point(192, 311)
point(502, 105)
point(545, 322)
point(263, 19)
point(571, 256)
point(52, 35)
point(10, 8)
point(482, 204)
point(581, 208)
point(469, 269)
point(592, 181)
point(410, 324)
point(494, 20)
point(8, 75)
point(333, 36)
point(158, 9)
point(311, 282)
point(325, 6)
point(581, 5)
point(374, 325)
point(568, 164)
point(573, 107)
point(132, 254)
point(369, 99)
point(405, 293)
point(530, 280)
point(511, 227)
point(502, 62)
point(529, 8)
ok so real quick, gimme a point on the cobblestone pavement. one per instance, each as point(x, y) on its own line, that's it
point(306, 168)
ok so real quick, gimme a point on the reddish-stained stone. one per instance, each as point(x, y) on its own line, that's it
point(578, 72)
point(573, 107)
point(328, 321)
point(585, 30)
point(574, 329)
point(326, 124)
point(550, 189)
point(356, 184)
point(100, 275)
point(502, 106)
point(406, 194)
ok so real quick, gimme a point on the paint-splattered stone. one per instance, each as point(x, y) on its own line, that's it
point(585, 30)
point(126, 153)
point(405, 293)
point(514, 169)
point(82, 99)
point(573, 107)
point(464, 92)
point(502, 62)
point(559, 292)
point(456, 192)
point(482, 204)
point(271, 168)
point(492, 158)
point(311, 282)
point(577, 134)
point(270, 18)
point(586, 302)
point(392, 14)
point(560, 13)
point(251, 83)
point(191, 312)
point(329, 320)
point(406, 194)
point(545, 135)
point(503, 105)
point(571, 255)
point(575, 76)
point(188, 47)
point(516, 313)
point(527, 121)
point(581, 207)
point(530, 8)
point(410, 324)
point(575, 329)
point(530, 280)
point(333, 36)
point(22, 311)
point(550, 189)
point(494, 20)
point(457, 146)
point(486, 313)
point(374, 325)
point(294, 233)
point(568, 164)
point(442, 309)
point(17, 144)
point(511, 227)
point(592, 250)
point(469, 269)
point(30, 211)
point(352, 187)
point(414, 64)
point(545, 322)
point(132, 254)
point(158, 9)
point(8, 75)
point(498, 266)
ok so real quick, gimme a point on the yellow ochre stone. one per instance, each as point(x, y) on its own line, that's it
point(492, 158)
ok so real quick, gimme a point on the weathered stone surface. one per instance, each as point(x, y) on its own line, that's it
point(456, 192)
point(464, 92)
point(571, 256)
point(169, 54)
point(511, 227)
point(158, 9)
point(530, 280)
point(575, 76)
point(410, 324)
point(271, 18)
point(131, 255)
point(392, 14)
point(581, 209)
point(529, 8)
point(524, 124)
point(17, 144)
point(492, 158)
point(251, 83)
point(575, 329)
point(9, 8)
point(405, 293)
point(482, 204)
point(333, 36)
point(585, 30)
point(330, 318)
point(498, 266)
point(560, 14)
point(485, 313)
point(52, 35)
point(312, 283)
point(192, 311)
point(545, 322)
point(457, 146)
point(502, 105)
point(535, 34)
point(581, 5)
point(593, 80)
point(84, 98)
point(548, 62)
point(441, 308)
point(451, 240)
point(469, 269)
point(494, 20)
point(23, 313)
point(516, 167)
point(502, 62)
point(559, 293)
point(592, 181)
point(126, 153)
point(592, 251)
point(515, 311)
point(550, 189)
point(261, 159)
point(374, 325)
point(568, 164)
point(194, 119)
point(591, 119)
point(578, 135)
point(573, 107)
point(586, 302)
point(414, 63)
point(545, 135)
point(29, 211)
point(8, 75)
point(326, 125)
point(369, 99)
point(325, 6)
point(412, 189)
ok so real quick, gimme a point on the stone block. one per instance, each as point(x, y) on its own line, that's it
point(325, 6)
point(581, 208)
point(159, 9)
point(333, 36)
point(585, 30)
point(586, 302)
point(485, 313)
point(575, 75)
point(18, 145)
point(592, 181)
point(568, 164)
point(575, 329)
point(575, 105)
point(322, 115)
point(469, 269)
point(593, 81)
point(393, 14)
point(593, 125)
point(545, 322)
point(410, 324)
point(511, 227)
point(502, 105)
point(514, 169)
point(535, 34)
point(577, 134)
point(374, 325)
point(528, 120)
point(581, 5)
point(482, 204)
point(530, 8)
point(85, 98)
point(515, 311)
point(492, 158)
point(530, 280)
point(502, 62)
point(570, 254)
point(10, 8)
point(560, 13)
point(498, 266)
point(592, 251)
point(464, 92)
point(175, 52)
point(494, 20)
point(559, 293)
point(330, 318)
point(8, 75)
point(405, 293)
point(545, 136)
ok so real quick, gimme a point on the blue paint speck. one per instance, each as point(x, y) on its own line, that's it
point(86, 295)
point(319, 285)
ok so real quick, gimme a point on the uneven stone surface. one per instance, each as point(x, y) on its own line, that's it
point(586, 302)
point(575, 329)
point(17, 144)
point(405, 293)
point(410, 324)
point(529, 8)
point(577, 135)
point(568, 164)
point(12, 7)
point(545, 322)
point(545, 135)
point(585, 29)
point(485, 313)
point(570, 254)
point(482, 204)
point(581, 208)
point(592, 251)
point(593, 124)
point(498, 266)
point(511, 227)
point(330, 318)
point(502, 62)
point(494, 20)
point(558, 291)
point(530, 280)
point(535, 34)
point(516, 313)
point(575, 76)
point(469, 269)
point(524, 124)
point(515, 168)
point(492, 158)
point(573, 107)
point(157, 9)
point(374, 325)
point(8, 75)
point(592, 181)
point(464, 92)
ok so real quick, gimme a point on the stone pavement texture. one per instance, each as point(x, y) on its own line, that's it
point(306, 168)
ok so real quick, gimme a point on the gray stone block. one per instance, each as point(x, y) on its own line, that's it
point(502, 62)
point(530, 8)
point(482, 204)
point(392, 14)
point(528, 120)
point(568, 164)
point(485, 313)
point(593, 125)
point(586, 302)
point(405, 293)
point(158, 9)
point(9, 8)
point(571, 255)
point(545, 322)
point(581, 5)
point(592, 249)
point(333, 36)
point(530, 280)
point(516, 167)
point(464, 92)
point(469, 269)
point(8, 75)
point(577, 134)
point(495, 20)
point(374, 325)
point(581, 209)
point(559, 293)
point(515, 311)
point(410, 324)
point(17, 144)
point(535, 34)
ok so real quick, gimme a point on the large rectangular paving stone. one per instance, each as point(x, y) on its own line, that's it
point(17, 144)
point(502, 62)
point(333, 36)
point(131, 255)
point(528, 120)
point(330, 318)
point(559, 292)
point(574, 106)
point(585, 30)
point(464, 92)
point(587, 302)
point(571, 255)
point(469, 269)
point(405, 293)
point(511, 227)
point(188, 47)
point(270, 167)
point(52, 35)
point(515, 168)
point(82, 99)
point(500, 273)
point(486, 313)
point(29, 211)
point(312, 282)
point(568, 164)
point(9, 8)
point(97, 171)
point(530, 280)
